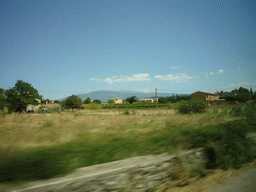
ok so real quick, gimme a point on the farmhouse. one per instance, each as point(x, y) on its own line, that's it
point(118, 100)
point(33, 107)
point(205, 96)
point(51, 105)
point(146, 100)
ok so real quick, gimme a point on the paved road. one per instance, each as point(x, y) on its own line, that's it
point(243, 183)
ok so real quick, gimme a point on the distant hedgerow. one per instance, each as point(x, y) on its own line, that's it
point(191, 106)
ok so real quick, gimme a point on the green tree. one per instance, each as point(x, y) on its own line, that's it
point(87, 101)
point(234, 91)
point(63, 105)
point(111, 101)
point(21, 95)
point(73, 102)
point(243, 94)
point(97, 101)
point(132, 99)
point(163, 100)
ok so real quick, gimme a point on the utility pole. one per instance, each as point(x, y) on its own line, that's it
point(156, 97)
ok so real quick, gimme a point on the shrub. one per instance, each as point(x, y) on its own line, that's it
point(230, 147)
point(97, 101)
point(53, 110)
point(236, 111)
point(250, 113)
point(4, 111)
point(215, 111)
point(87, 101)
point(194, 106)
point(163, 100)
point(126, 112)
point(223, 112)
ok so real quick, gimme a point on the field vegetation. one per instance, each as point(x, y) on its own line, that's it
point(39, 146)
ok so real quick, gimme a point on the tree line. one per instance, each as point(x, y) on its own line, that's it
point(16, 99)
point(241, 95)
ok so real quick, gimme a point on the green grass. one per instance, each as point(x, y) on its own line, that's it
point(122, 136)
point(228, 141)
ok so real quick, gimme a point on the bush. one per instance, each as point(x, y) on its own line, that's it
point(236, 111)
point(191, 106)
point(250, 113)
point(87, 101)
point(163, 100)
point(97, 101)
point(4, 111)
point(227, 145)
point(53, 110)
point(126, 112)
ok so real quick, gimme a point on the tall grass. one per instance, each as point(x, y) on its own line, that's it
point(134, 106)
point(93, 106)
point(227, 140)
point(43, 146)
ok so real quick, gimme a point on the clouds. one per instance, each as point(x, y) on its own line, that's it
point(220, 71)
point(144, 77)
point(135, 77)
point(237, 85)
point(145, 90)
point(208, 74)
point(95, 79)
point(178, 77)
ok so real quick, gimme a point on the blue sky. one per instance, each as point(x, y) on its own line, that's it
point(72, 47)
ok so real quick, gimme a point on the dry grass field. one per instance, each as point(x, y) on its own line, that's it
point(19, 131)
point(40, 146)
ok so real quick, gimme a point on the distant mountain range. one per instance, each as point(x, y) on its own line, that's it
point(105, 95)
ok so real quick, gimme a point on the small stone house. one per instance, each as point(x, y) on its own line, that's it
point(205, 96)
point(118, 100)
point(34, 107)
point(147, 100)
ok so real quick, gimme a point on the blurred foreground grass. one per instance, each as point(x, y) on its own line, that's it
point(49, 145)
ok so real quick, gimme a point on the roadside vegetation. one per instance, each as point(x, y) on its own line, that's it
point(39, 146)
